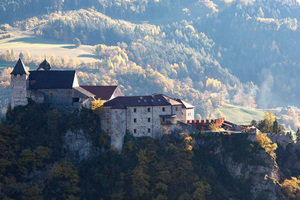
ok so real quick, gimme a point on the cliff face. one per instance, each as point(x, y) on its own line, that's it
point(249, 163)
point(262, 177)
point(78, 145)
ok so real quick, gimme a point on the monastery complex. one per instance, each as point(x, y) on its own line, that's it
point(139, 116)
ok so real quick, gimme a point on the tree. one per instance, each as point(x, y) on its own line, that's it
point(77, 42)
point(254, 123)
point(298, 135)
point(27, 56)
point(213, 127)
point(97, 106)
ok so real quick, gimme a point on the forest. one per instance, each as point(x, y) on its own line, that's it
point(36, 163)
point(223, 54)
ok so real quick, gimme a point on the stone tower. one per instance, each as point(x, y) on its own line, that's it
point(19, 85)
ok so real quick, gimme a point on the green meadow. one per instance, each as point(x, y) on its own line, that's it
point(39, 47)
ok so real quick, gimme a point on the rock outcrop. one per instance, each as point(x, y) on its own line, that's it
point(78, 145)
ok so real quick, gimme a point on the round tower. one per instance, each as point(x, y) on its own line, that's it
point(19, 85)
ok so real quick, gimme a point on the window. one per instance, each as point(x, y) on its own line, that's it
point(149, 120)
point(107, 130)
point(107, 110)
point(163, 109)
point(75, 100)
point(107, 120)
point(176, 108)
point(148, 109)
point(116, 121)
point(51, 94)
point(116, 132)
point(134, 110)
point(134, 120)
point(149, 130)
point(134, 130)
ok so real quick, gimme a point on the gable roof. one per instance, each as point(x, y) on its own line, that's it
point(51, 79)
point(104, 92)
point(150, 100)
point(79, 92)
point(19, 68)
point(185, 104)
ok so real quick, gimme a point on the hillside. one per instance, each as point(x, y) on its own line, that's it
point(46, 153)
point(206, 52)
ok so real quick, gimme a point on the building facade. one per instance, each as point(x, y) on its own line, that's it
point(151, 115)
point(45, 85)
point(141, 116)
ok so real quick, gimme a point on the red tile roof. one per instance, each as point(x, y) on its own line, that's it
point(104, 92)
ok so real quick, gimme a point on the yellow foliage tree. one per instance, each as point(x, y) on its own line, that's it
point(97, 106)
point(266, 143)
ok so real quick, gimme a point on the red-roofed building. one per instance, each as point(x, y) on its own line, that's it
point(104, 93)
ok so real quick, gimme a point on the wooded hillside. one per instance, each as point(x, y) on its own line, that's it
point(206, 52)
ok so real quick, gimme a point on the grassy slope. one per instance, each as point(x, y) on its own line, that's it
point(39, 47)
point(241, 115)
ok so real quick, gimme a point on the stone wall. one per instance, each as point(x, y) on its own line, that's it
point(139, 121)
point(146, 121)
point(19, 85)
point(117, 127)
point(58, 96)
point(36, 96)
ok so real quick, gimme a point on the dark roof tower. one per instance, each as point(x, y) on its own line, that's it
point(19, 68)
point(45, 66)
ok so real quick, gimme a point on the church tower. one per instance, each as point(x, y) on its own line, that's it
point(19, 85)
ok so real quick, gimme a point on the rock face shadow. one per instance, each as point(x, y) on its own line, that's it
point(32, 40)
point(69, 47)
point(87, 56)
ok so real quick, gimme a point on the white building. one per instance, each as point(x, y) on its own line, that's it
point(143, 116)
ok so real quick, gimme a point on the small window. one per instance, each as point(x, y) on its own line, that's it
point(107, 110)
point(51, 94)
point(107, 130)
point(107, 120)
point(134, 110)
point(149, 120)
point(116, 132)
point(148, 109)
point(75, 100)
point(176, 108)
point(134, 120)
point(163, 109)
point(149, 130)
point(134, 130)
point(116, 121)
